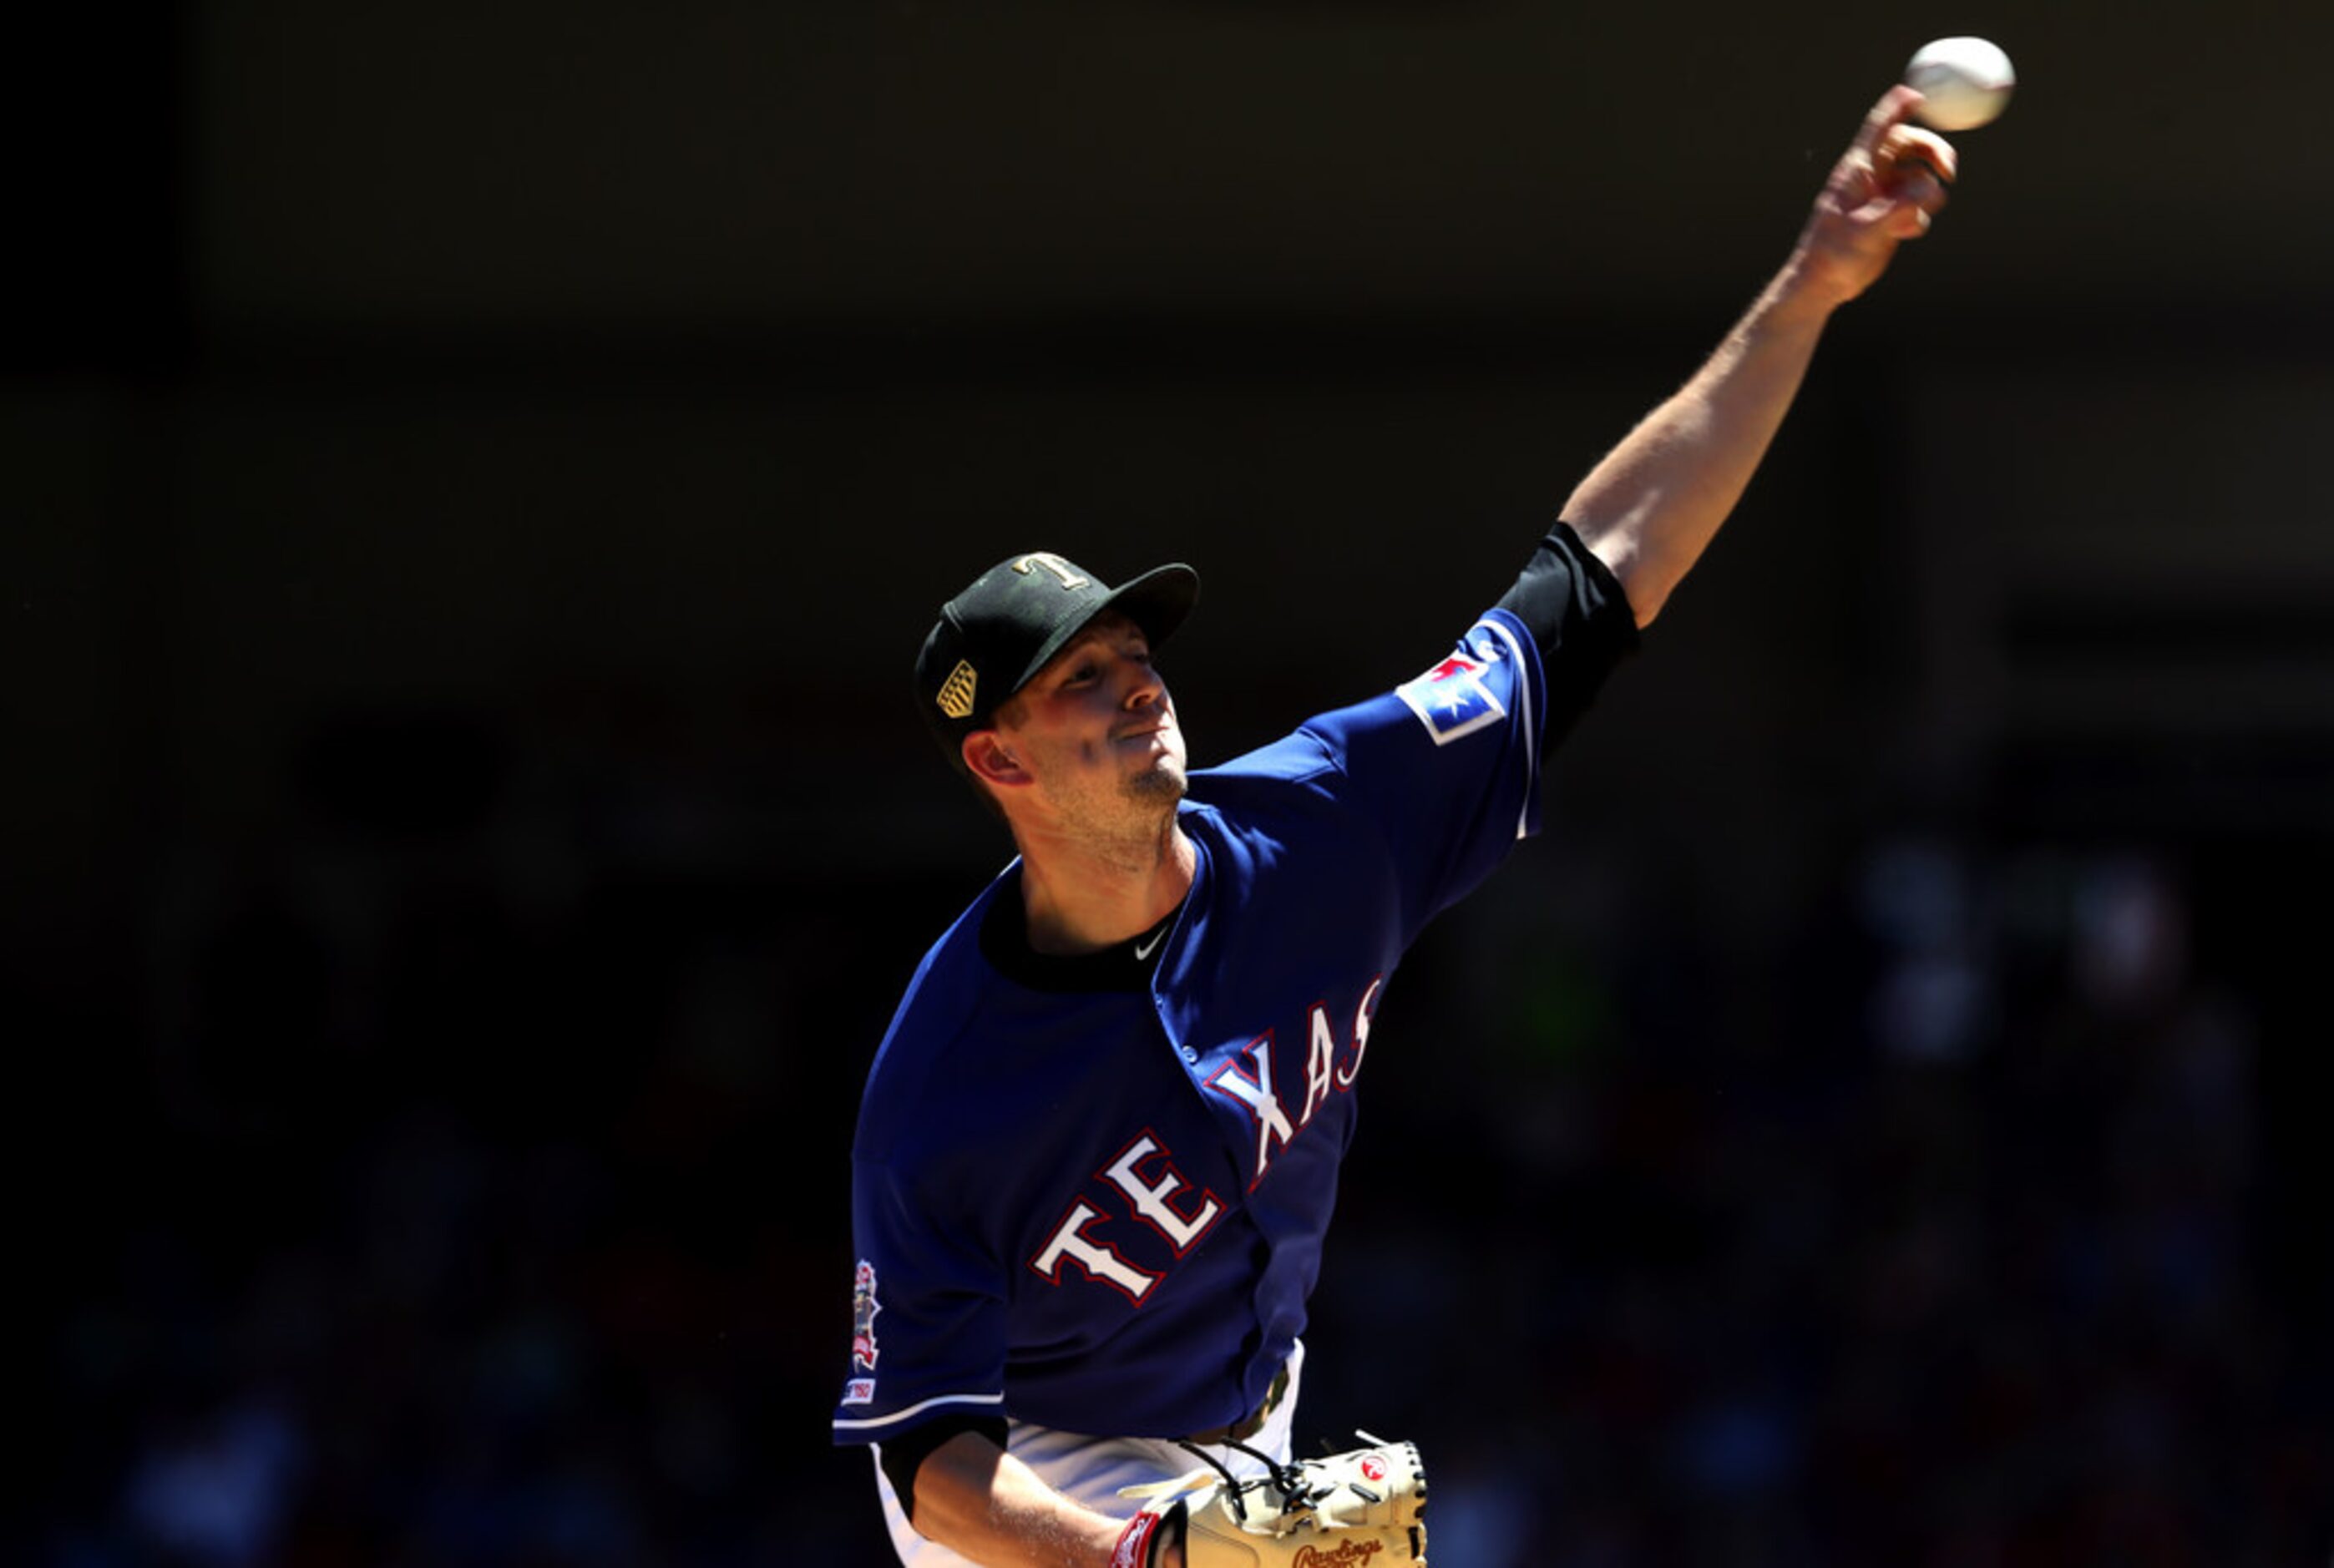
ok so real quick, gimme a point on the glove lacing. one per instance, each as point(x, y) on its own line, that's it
point(1289, 1479)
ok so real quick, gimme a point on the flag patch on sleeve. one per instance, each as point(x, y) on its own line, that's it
point(1451, 700)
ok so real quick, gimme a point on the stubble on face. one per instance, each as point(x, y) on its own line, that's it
point(1160, 786)
point(1128, 818)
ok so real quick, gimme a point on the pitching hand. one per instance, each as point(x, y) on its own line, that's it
point(1884, 190)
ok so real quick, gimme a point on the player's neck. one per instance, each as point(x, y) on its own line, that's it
point(1082, 896)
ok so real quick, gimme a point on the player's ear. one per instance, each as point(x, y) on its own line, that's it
point(988, 758)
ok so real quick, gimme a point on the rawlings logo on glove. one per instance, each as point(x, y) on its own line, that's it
point(1340, 1512)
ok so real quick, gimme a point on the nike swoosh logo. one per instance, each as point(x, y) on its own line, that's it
point(1144, 949)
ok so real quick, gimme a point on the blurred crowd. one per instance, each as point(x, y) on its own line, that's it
point(1951, 1251)
point(474, 1193)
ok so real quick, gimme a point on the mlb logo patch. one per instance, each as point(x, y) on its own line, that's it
point(1452, 699)
point(859, 1391)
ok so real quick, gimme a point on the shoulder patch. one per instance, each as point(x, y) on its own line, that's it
point(864, 1308)
point(1451, 700)
point(859, 1391)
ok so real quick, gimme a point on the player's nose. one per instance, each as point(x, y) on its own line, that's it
point(1143, 687)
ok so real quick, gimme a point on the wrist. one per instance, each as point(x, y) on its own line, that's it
point(1150, 1541)
point(1143, 1544)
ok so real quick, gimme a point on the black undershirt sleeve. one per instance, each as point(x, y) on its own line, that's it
point(903, 1455)
point(1564, 581)
point(1571, 600)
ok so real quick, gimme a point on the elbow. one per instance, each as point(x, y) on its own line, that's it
point(1646, 589)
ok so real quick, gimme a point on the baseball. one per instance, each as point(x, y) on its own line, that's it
point(1963, 83)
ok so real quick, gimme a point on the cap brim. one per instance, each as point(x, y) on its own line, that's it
point(1157, 602)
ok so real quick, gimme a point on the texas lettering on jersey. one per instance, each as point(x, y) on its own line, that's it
point(1143, 1183)
point(1145, 1178)
point(1249, 1077)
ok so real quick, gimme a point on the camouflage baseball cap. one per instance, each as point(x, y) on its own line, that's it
point(994, 636)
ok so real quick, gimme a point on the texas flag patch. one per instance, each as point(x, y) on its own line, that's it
point(1451, 700)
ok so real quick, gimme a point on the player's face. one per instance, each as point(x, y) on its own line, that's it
point(1096, 728)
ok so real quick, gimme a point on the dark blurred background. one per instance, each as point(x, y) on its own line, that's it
point(474, 481)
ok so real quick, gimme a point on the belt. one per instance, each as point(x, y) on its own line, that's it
point(1240, 1431)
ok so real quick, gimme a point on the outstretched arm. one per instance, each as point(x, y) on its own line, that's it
point(1651, 507)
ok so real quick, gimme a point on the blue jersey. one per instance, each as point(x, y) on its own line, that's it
point(1103, 1211)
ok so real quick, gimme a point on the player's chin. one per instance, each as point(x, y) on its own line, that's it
point(1163, 781)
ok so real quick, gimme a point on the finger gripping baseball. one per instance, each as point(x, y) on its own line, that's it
point(1363, 1508)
